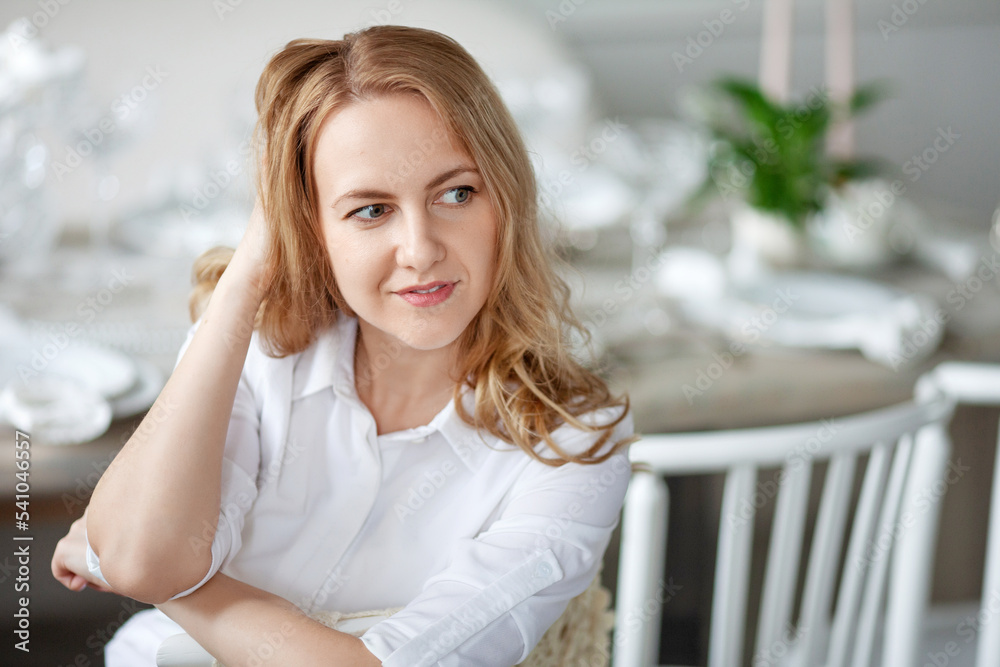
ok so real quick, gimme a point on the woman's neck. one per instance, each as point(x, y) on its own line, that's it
point(402, 387)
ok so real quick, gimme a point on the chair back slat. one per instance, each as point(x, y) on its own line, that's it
point(849, 594)
point(785, 550)
point(914, 533)
point(821, 573)
point(875, 563)
point(979, 384)
point(643, 550)
point(841, 604)
point(732, 570)
point(988, 649)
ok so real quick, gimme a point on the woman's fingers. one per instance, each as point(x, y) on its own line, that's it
point(69, 561)
point(250, 259)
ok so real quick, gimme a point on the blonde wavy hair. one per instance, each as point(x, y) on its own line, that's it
point(515, 352)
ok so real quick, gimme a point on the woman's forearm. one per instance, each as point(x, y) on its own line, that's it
point(243, 625)
point(152, 516)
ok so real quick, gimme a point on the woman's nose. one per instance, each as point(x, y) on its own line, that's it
point(419, 247)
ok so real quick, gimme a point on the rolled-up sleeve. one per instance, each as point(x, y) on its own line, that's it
point(238, 485)
point(502, 589)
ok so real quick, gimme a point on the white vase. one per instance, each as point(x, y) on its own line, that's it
point(763, 243)
point(856, 227)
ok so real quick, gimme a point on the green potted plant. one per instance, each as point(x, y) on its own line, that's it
point(770, 160)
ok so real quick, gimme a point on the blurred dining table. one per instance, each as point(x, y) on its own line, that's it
point(147, 318)
point(764, 385)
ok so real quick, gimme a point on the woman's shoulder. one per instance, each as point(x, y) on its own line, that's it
point(262, 364)
point(325, 355)
point(575, 440)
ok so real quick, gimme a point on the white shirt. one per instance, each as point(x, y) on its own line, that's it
point(482, 545)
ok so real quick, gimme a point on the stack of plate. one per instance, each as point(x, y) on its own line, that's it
point(804, 309)
point(70, 394)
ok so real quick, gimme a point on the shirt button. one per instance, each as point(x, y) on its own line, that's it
point(543, 570)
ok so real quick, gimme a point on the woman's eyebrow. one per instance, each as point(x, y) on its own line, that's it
point(451, 173)
point(365, 193)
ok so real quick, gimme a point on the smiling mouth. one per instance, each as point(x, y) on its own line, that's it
point(429, 289)
point(426, 291)
point(431, 296)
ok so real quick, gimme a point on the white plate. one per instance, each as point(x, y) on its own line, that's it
point(822, 295)
point(819, 310)
point(108, 372)
point(142, 394)
point(54, 409)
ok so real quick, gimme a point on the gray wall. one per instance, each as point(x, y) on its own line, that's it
point(944, 64)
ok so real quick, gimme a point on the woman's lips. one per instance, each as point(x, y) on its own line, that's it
point(430, 298)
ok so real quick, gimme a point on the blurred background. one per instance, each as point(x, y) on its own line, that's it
point(770, 215)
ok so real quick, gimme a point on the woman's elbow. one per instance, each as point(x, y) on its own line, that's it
point(151, 578)
point(150, 567)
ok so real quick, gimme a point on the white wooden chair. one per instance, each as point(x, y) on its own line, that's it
point(979, 384)
point(884, 578)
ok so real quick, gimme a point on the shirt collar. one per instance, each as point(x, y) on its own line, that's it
point(329, 363)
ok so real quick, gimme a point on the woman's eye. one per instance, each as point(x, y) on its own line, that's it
point(370, 212)
point(458, 195)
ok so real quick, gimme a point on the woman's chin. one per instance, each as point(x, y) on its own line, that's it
point(428, 340)
point(421, 333)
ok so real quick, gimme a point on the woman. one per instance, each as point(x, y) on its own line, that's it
point(378, 407)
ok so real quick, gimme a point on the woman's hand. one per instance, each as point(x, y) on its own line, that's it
point(69, 562)
point(239, 624)
point(251, 256)
point(257, 237)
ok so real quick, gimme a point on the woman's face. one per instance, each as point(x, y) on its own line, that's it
point(402, 206)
